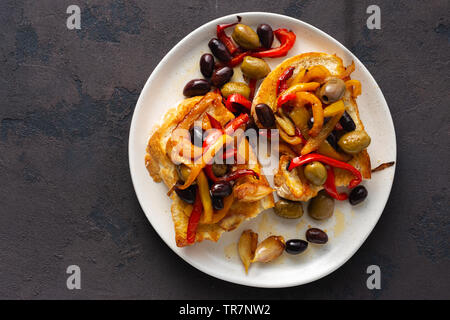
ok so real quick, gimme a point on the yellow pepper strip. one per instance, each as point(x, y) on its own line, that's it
point(220, 214)
point(299, 87)
point(317, 74)
point(297, 78)
point(203, 189)
point(207, 157)
point(316, 107)
point(334, 109)
point(314, 143)
point(291, 140)
point(300, 115)
point(285, 124)
point(327, 150)
point(354, 86)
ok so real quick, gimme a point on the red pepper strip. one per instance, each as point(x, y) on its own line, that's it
point(214, 123)
point(307, 158)
point(298, 133)
point(231, 176)
point(285, 98)
point(282, 80)
point(226, 40)
point(238, 99)
point(287, 40)
point(239, 173)
point(252, 86)
point(237, 59)
point(234, 124)
point(330, 186)
point(194, 218)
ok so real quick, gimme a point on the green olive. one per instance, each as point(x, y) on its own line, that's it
point(235, 87)
point(246, 37)
point(183, 172)
point(316, 173)
point(332, 90)
point(354, 142)
point(219, 170)
point(321, 207)
point(254, 68)
point(288, 209)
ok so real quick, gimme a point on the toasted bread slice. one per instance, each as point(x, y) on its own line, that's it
point(293, 185)
point(251, 196)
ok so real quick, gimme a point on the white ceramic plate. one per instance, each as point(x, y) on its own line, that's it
point(347, 229)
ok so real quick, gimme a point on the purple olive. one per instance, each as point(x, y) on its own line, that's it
point(221, 76)
point(196, 87)
point(296, 246)
point(315, 235)
point(188, 194)
point(219, 50)
point(207, 65)
point(221, 189)
point(265, 34)
point(265, 115)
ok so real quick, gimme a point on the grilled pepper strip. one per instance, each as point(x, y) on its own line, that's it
point(212, 144)
point(282, 80)
point(330, 186)
point(314, 143)
point(220, 214)
point(231, 176)
point(287, 41)
point(301, 160)
point(237, 59)
point(214, 123)
point(234, 124)
point(203, 188)
point(194, 218)
point(226, 40)
point(239, 99)
point(252, 86)
point(291, 93)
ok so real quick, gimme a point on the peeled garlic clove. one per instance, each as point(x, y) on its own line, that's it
point(247, 246)
point(270, 249)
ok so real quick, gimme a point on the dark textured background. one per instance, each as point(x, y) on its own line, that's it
point(67, 98)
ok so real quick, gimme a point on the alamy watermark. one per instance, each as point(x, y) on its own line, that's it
point(374, 280)
point(74, 280)
point(74, 20)
point(374, 20)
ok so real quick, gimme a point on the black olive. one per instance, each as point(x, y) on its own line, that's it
point(315, 235)
point(265, 115)
point(219, 50)
point(188, 194)
point(265, 35)
point(217, 203)
point(332, 139)
point(296, 246)
point(221, 76)
point(196, 136)
point(357, 195)
point(207, 65)
point(221, 189)
point(196, 87)
point(347, 122)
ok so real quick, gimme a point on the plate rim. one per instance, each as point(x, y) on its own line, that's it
point(139, 105)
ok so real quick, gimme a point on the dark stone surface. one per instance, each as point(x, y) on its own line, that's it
point(67, 99)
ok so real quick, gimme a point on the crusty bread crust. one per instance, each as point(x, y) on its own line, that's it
point(293, 185)
point(161, 168)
